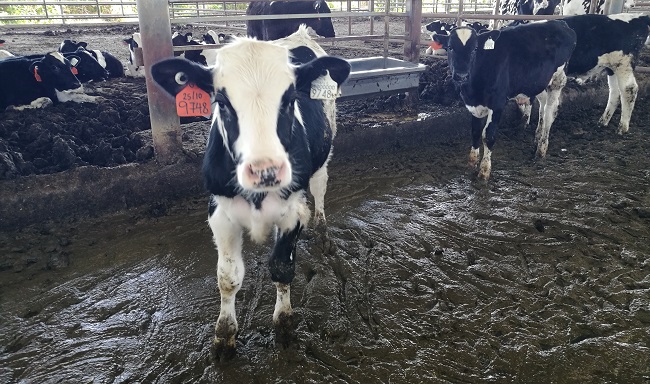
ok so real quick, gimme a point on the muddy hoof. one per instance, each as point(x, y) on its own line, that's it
point(222, 351)
point(285, 334)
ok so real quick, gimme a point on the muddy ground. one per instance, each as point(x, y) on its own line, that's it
point(540, 275)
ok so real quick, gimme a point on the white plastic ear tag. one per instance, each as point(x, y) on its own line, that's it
point(489, 44)
point(324, 88)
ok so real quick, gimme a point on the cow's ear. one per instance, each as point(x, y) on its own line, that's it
point(441, 39)
point(174, 74)
point(487, 39)
point(338, 69)
point(82, 44)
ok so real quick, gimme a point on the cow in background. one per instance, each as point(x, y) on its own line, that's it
point(279, 28)
point(36, 83)
point(217, 38)
point(581, 7)
point(442, 28)
point(132, 69)
point(512, 63)
point(268, 139)
point(523, 7)
point(85, 67)
point(110, 63)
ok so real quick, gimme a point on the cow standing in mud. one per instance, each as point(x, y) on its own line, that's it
point(513, 63)
point(268, 140)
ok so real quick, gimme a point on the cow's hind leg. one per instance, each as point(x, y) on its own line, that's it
point(282, 265)
point(612, 101)
point(551, 100)
point(629, 90)
point(230, 274)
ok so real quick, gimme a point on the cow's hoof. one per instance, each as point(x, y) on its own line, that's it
point(622, 130)
point(285, 333)
point(222, 350)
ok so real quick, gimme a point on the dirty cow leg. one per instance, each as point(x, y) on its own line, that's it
point(230, 274)
point(489, 138)
point(612, 101)
point(552, 102)
point(318, 187)
point(282, 264)
point(629, 90)
point(477, 134)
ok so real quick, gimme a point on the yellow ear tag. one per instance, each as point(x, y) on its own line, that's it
point(489, 44)
point(193, 101)
point(324, 88)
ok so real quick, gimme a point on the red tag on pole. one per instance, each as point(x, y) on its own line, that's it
point(435, 45)
point(193, 101)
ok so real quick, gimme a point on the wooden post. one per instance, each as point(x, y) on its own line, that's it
point(155, 31)
point(413, 31)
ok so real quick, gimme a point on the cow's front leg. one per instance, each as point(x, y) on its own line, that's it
point(282, 264)
point(489, 138)
point(318, 187)
point(477, 135)
point(629, 90)
point(230, 274)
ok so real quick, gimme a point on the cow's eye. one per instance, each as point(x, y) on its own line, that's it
point(221, 100)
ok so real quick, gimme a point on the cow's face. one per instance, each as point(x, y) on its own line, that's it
point(323, 25)
point(89, 67)
point(462, 46)
point(438, 27)
point(55, 71)
point(254, 104)
point(70, 45)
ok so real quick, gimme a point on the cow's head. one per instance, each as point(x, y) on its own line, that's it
point(323, 25)
point(133, 42)
point(55, 71)
point(438, 27)
point(70, 45)
point(462, 45)
point(254, 104)
point(88, 67)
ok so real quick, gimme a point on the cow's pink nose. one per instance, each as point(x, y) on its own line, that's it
point(265, 173)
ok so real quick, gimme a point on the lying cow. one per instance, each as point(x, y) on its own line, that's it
point(279, 28)
point(85, 67)
point(268, 139)
point(110, 63)
point(39, 82)
point(512, 63)
point(217, 38)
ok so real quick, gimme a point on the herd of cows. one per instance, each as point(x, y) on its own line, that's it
point(273, 121)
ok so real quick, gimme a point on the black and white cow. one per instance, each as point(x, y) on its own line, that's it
point(524, 7)
point(110, 63)
point(512, 63)
point(276, 29)
point(581, 7)
point(611, 43)
point(268, 140)
point(85, 66)
point(217, 38)
point(201, 56)
point(442, 28)
point(39, 82)
point(132, 69)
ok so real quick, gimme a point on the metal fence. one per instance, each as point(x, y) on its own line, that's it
point(116, 11)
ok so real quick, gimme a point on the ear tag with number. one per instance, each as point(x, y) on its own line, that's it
point(324, 88)
point(435, 45)
point(36, 75)
point(193, 101)
point(489, 44)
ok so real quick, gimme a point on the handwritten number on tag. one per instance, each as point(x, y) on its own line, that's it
point(193, 101)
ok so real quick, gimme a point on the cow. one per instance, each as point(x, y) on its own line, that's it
point(195, 55)
point(217, 38)
point(582, 7)
point(31, 83)
point(132, 69)
point(524, 7)
point(518, 63)
point(268, 140)
point(440, 27)
point(86, 67)
point(279, 28)
point(110, 63)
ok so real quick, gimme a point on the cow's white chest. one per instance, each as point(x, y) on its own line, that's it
point(478, 111)
point(273, 211)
